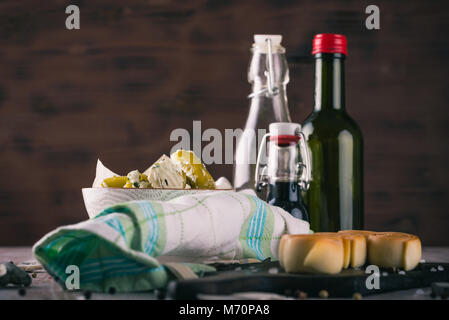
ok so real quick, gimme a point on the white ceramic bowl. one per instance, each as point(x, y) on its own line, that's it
point(98, 199)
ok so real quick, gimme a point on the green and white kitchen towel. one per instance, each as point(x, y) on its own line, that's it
point(142, 245)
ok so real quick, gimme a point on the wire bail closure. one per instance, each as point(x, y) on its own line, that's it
point(302, 169)
point(271, 90)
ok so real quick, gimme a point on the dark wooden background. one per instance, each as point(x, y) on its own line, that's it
point(136, 70)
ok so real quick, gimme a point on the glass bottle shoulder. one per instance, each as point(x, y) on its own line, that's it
point(330, 123)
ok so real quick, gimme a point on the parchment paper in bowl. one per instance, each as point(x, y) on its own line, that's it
point(102, 173)
point(97, 198)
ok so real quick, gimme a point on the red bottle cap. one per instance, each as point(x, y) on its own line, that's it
point(284, 139)
point(329, 43)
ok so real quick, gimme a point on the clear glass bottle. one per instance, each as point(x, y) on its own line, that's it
point(268, 75)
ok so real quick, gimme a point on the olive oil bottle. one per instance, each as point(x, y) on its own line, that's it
point(335, 196)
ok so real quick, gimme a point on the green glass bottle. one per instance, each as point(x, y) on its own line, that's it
point(335, 197)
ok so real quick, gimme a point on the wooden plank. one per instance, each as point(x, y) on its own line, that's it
point(135, 71)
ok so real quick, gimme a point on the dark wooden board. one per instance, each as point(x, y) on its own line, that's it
point(257, 277)
point(44, 287)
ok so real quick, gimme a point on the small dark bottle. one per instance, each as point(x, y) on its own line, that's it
point(287, 195)
point(286, 168)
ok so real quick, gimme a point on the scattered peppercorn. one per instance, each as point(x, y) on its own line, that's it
point(159, 294)
point(302, 295)
point(22, 292)
point(34, 275)
point(323, 294)
point(357, 296)
point(87, 295)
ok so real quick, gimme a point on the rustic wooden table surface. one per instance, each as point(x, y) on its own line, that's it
point(43, 286)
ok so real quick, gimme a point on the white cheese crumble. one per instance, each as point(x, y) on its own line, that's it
point(133, 176)
point(165, 174)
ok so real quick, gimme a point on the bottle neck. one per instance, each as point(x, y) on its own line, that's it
point(329, 82)
point(278, 102)
point(258, 75)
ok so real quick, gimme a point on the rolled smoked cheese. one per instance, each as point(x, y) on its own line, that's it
point(394, 250)
point(354, 247)
point(328, 252)
point(312, 253)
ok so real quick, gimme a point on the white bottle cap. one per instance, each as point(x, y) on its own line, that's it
point(260, 39)
point(285, 128)
point(260, 42)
